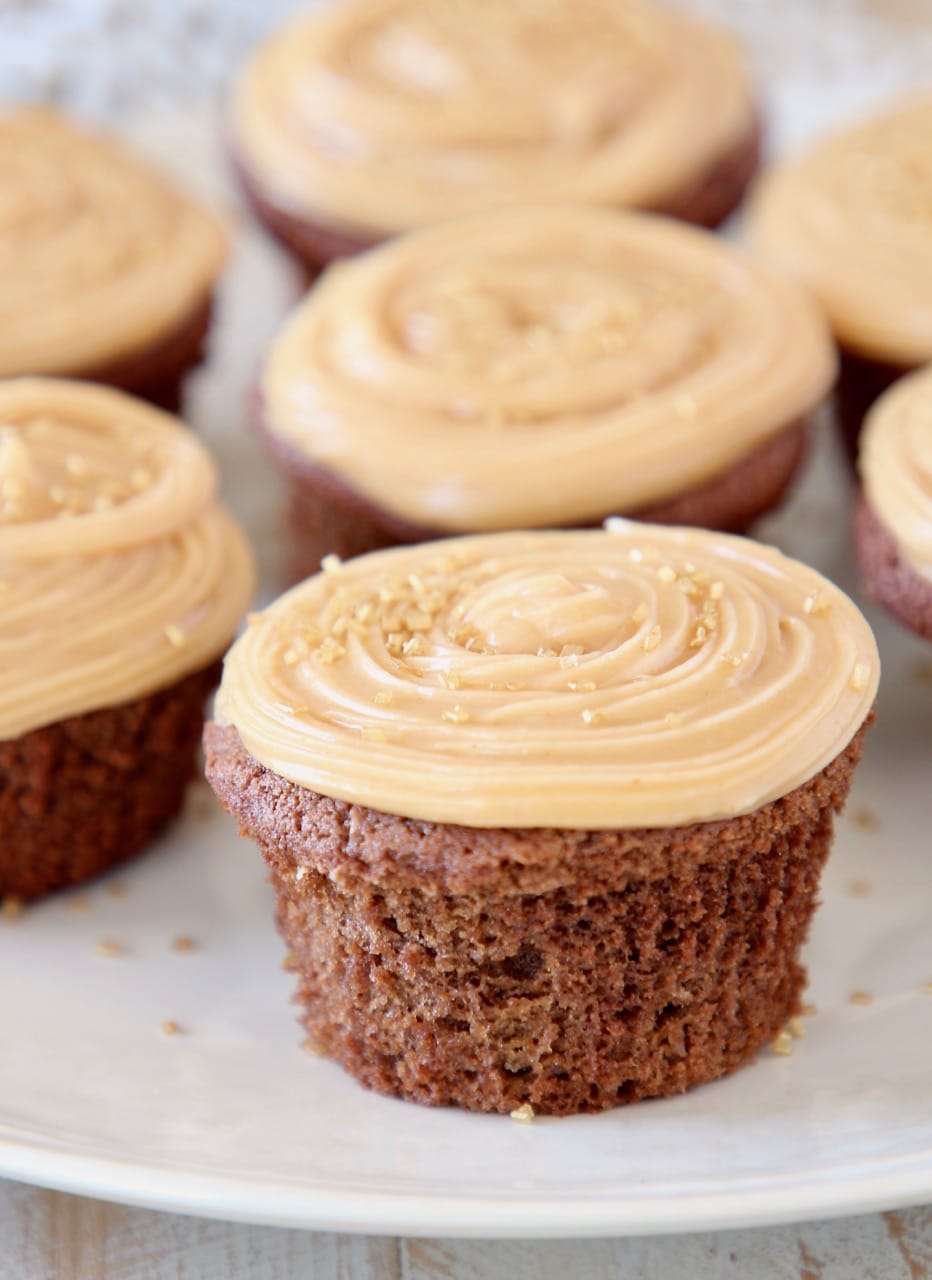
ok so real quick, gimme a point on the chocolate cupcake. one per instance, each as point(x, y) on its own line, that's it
point(851, 220)
point(122, 582)
point(534, 368)
point(106, 271)
point(545, 813)
point(374, 117)
point(893, 524)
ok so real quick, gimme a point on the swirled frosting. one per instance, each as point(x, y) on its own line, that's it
point(99, 256)
point(895, 461)
point(542, 366)
point(119, 572)
point(853, 220)
point(381, 115)
point(642, 676)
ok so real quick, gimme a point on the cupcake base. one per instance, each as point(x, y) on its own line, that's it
point(327, 517)
point(860, 383)
point(157, 372)
point(888, 577)
point(570, 970)
point(707, 202)
point(81, 795)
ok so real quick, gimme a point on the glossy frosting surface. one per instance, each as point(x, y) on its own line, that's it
point(637, 677)
point(852, 219)
point(896, 467)
point(381, 115)
point(119, 571)
point(99, 255)
point(542, 367)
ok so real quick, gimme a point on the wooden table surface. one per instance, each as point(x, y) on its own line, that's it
point(45, 1235)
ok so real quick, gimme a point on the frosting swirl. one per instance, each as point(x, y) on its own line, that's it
point(99, 256)
point(895, 461)
point(119, 572)
point(542, 366)
point(381, 115)
point(641, 676)
point(853, 220)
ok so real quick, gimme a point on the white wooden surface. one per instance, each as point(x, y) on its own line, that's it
point(48, 1236)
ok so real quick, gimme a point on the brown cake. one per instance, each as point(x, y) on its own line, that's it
point(122, 582)
point(106, 272)
point(893, 524)
point(545, 813)
point(541, 368)
point(850, 220)
point(366, 119)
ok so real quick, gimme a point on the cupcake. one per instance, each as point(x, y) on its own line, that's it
point(374, 117)
point(893, 524)
point(545, 812)
point(122, 582)
point(851, 220)
point(534, 368)
point(106, 272)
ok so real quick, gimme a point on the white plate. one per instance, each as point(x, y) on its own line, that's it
point(231, 1119)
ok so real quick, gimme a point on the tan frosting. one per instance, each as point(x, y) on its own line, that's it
point(99, 256)
point(853, 220)
point(119, 572)
point(380, 115)
point(895, 461)
point(644, 676)
point(542, 366)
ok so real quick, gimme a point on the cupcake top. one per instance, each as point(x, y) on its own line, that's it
point(640, 676)
point(119, 571)
point(853, 220)
point(382, 115)
point(99, 256)
point(895, 462)
point(542, 366)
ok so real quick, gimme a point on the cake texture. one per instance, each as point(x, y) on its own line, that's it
point(358, 122)
point(541, 368)
point(893, 521)
point(850, 220)
point(123, 581)
point(106, 271)
point(545, 813)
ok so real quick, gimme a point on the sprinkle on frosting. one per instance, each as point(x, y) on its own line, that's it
point(381, 115)
point(706, 706)
point(349, 389)
point(113, 590)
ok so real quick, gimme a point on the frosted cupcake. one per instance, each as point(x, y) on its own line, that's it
point(106, 271)
point(851, 220)
point(122, 582)
point(545, 813)
point(534, 368)
point(359, 121)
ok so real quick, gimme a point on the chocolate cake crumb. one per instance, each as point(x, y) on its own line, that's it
point(888, 576)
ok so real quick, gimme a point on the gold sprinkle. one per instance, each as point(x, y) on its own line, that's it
point(716, 590)
point(860, 888)
point(651, 640)
point(183, 945)
point(171, 1028)
point(383, 698)
point(456, 716)
point(418, 620)
point(581, 686)
point(591, 717)
point(860, 676)
point(331, 563)
point(861, 997)
point(734, 659)
point(666, 574)
point(311, 1046)
point(451, 680)
point(330, 651)
point(414, 647)
point(175, 636)
point(782, 1044)
point(865, 819)
point(615, 524)
point(796, 1028)
point(523, 1114)
point(12, 908)
point(291, 658)
point(641, 613)
point(569, 661)
point(107, 947)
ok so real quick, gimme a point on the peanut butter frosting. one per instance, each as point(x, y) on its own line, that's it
point(99, 256)
point(640, 676)
point(853, 220)
point(895, 461)
point(542, 366)
point(119, 571)
point(381, 115)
